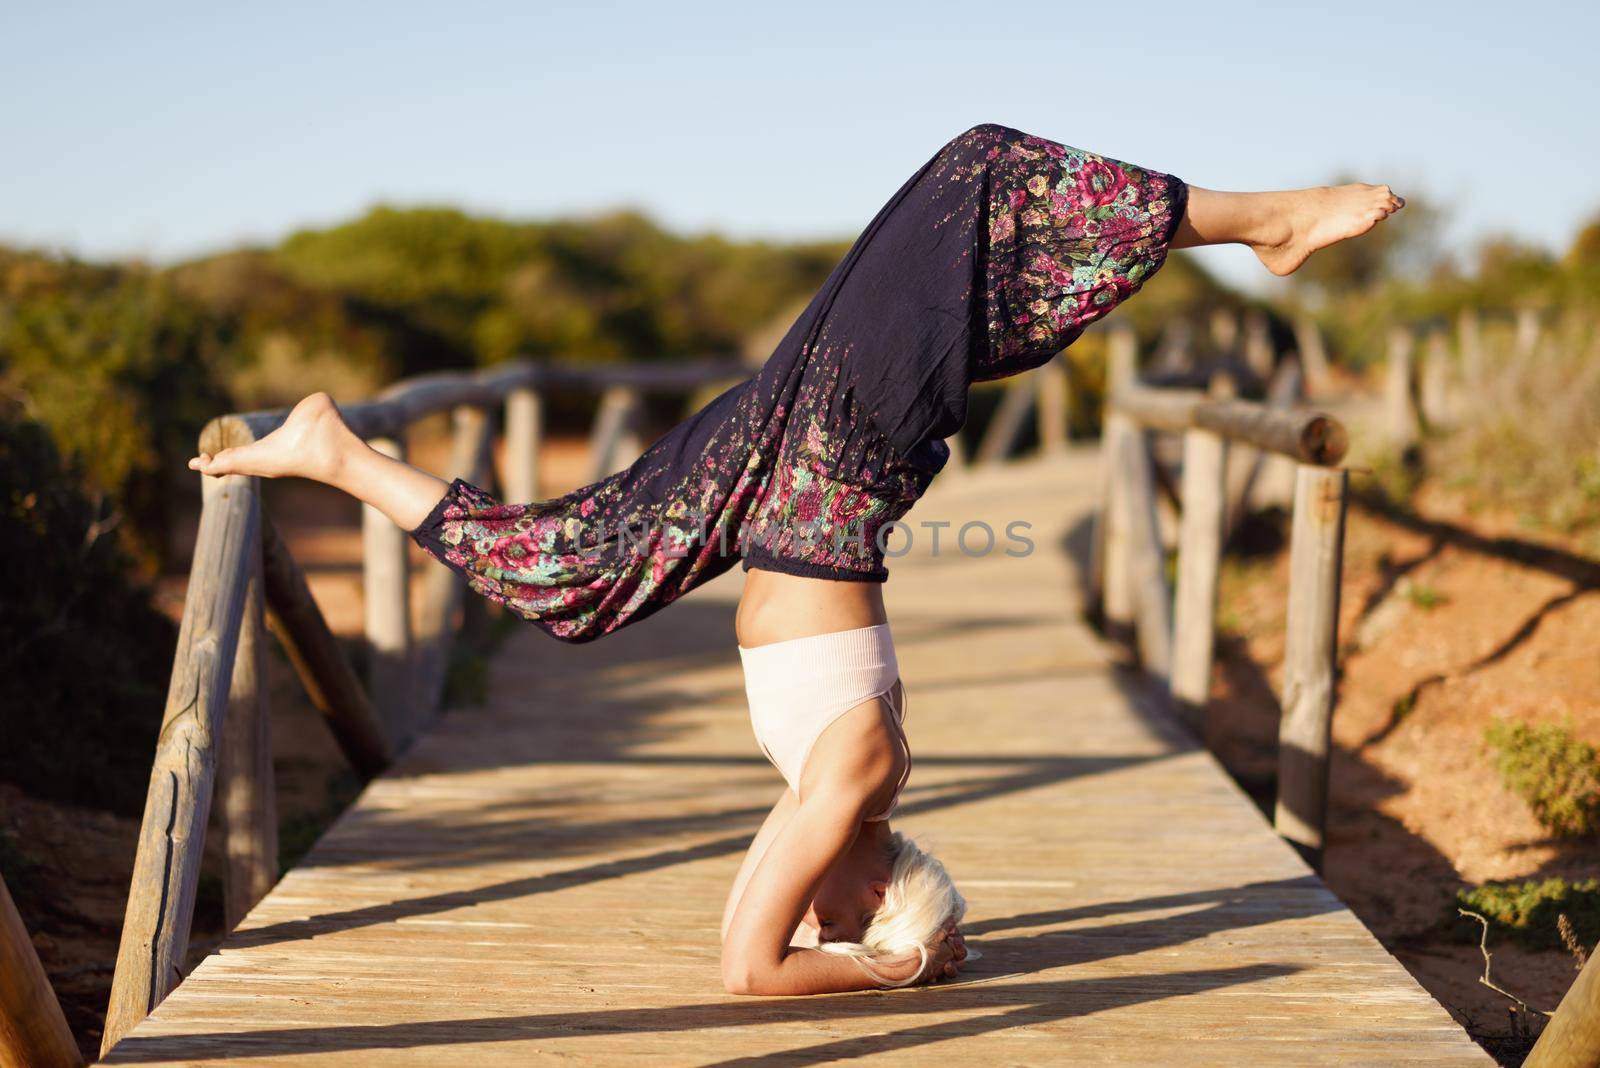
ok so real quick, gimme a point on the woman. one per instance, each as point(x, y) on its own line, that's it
point(988, 261)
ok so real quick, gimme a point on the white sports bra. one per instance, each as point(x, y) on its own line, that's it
point(797, 688)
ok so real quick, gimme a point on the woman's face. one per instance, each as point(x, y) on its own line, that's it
point(850, 895)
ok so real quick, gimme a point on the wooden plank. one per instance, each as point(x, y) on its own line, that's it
point(1054, 404)
point(245, 786)
point(330, 682)
point(1316, 555)
point(33, 1029)
point(166, 870)
point(541, 878)
point(1145, 560)
point(386, 609)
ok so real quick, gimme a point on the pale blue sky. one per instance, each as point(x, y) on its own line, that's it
point(168, 130)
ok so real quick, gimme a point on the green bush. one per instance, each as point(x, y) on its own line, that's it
point(84, 657)
point(1556, 774)
point(1527, 911)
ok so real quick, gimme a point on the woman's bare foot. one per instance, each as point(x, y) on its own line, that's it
point(312, 443)
point(1305, 220)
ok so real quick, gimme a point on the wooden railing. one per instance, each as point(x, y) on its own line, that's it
point(1173, 636)
point(243, 583)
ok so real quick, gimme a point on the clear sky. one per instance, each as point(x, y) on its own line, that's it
point(172, 129)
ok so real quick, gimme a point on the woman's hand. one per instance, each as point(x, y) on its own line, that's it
point(945, 954)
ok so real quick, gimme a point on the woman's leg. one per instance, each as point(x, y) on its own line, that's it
point(315, 443)
point(1283, 228)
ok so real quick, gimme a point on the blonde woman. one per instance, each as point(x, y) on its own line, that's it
point(991, 258)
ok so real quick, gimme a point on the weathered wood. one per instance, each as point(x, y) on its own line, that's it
point(1107, 600)
point(1313, 351)
point(1529, 329)
point(470, 457)
point(1199, 559)
point(524, 437)
point(540, 880)
point(1271, 481)
point(1469, 340)
point(1225, 331)
point(244, 775)
point(33, 1029)
point(1145, 560)
point(1054, 404)
point(1436, 379)
point(1306, 436)
point(386, 587)
point(1399, 392)
point(155, 930)
point(328, 678)
point(1572, 1037)
point(615, 442)
point(1310, 658)
point(1000, 438)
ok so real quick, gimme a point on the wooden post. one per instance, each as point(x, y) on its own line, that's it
point(1145, 562)
point(1109, 602)
point(1572, 1037)
point(1258, 352)
point(1054, 397)
point(1399, 402)
point(166, 871)
point(615, 431)
point(1469, 339)
point(1313, 355)
point(1001, 435)
point(1205, 488)
point(245, 786)
point(524, 435)
point(1315, 555)
point(1225, 331)
point(33, 1029)
point(386, 575)
point(443, 588)
point(1527, 342)
point(330, 682)
point(1435, 384)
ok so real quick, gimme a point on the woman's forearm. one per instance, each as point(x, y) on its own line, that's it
point(813, 971)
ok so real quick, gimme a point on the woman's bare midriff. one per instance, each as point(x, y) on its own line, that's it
point(776, 607)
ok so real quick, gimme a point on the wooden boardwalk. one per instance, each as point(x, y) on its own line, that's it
point(543, 877)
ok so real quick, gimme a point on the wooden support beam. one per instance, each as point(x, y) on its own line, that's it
point(155, 930)
point(524, 438)
point(245, 784)
point(33, 1029)
point(1399, 396)
point(470, 458)
point(1144, 560)
point(386, 585)
point(1000, 438)
point(1313, 351)
point(1437, 376)
point(1107, 603)
point(330, 682)
point(1054, 404)
point(1200, 536)
point(1316, 554)
point(615, 442)
point(1572, 1037)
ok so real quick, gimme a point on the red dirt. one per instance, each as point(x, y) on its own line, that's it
point(1477, 630)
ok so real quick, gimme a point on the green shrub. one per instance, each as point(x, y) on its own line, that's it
point(1527, 911)
point(84, 656)
point(1556, 774)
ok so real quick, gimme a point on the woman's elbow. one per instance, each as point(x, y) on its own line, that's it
point(739, 978)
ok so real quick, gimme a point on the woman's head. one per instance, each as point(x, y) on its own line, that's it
point(890, 897)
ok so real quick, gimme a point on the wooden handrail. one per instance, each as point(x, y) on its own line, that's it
point(1174, 637)
point(33, 1029)
point(243, 576)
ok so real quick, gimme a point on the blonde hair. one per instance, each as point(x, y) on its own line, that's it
point(919, 901)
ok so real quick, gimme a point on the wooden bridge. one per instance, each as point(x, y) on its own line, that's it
point(544, 875)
